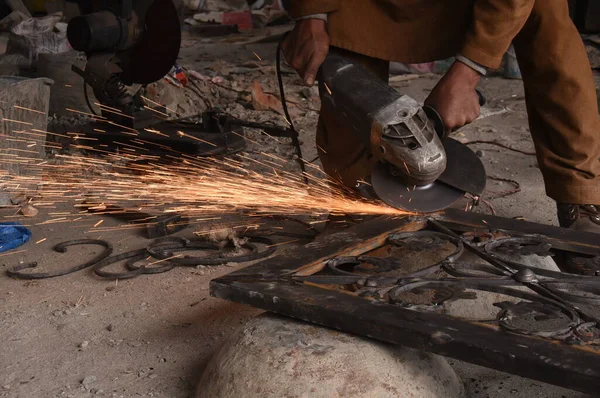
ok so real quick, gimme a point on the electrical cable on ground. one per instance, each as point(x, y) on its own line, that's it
point(500, 145)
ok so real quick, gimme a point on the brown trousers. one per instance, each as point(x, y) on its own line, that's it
point(561, 104)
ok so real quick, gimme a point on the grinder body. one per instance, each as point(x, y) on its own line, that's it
point(413, 166)
point(393, 127)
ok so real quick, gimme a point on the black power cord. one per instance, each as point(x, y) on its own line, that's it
point(87, 98)
point(295, 139)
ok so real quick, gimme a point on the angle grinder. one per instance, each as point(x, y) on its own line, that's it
point(415, 166)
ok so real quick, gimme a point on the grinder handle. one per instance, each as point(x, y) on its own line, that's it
point(437, 120)
point(481, 96)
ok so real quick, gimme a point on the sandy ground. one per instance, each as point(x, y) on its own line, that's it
point(80, 336)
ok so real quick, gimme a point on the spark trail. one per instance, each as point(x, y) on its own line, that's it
point(134, 178)
point(198, 186)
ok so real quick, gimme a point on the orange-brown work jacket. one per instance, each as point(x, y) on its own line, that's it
point(415, 31)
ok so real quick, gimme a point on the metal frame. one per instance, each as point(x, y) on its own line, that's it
point(307, 284)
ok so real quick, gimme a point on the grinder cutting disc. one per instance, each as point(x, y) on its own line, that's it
point(152, 58)
point(464, 173)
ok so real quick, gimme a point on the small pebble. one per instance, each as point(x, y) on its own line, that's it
point(110, 327)
point(87, 381)
point(84, 344)
point(29, 211)
point(310, 92)
point(6, 386)
point(480, 153)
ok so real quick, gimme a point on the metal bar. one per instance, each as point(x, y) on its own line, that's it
point(572, 367)
point(561, 238)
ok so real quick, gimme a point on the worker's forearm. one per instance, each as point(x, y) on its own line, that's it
point(303, 8)
point(495, 25)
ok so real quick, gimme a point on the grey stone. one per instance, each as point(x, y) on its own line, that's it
point(310, 92)
point(5, 200)
point(273, 356)
point(88, 381)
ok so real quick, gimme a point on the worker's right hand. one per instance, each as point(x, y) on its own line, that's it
point(455, 97)
point(306, 47)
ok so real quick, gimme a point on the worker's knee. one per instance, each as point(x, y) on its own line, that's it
point(548, 34)
point(550, 14)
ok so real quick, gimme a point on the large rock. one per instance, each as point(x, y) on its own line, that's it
point(273, 356)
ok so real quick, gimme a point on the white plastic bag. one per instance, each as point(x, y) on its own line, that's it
point(38, 36)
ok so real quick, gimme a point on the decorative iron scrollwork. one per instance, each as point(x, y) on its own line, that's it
point(523, 246)
point(548, 307)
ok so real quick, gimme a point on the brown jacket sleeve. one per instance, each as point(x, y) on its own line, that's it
point(495, 25)
point(301, 8)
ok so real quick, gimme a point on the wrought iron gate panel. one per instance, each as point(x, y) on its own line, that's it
point(402, 280)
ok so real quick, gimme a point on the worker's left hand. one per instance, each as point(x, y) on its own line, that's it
point(454, 97)
point(306, 47)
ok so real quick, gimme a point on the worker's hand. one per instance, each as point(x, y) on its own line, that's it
point(306, 47)
point(455, 98)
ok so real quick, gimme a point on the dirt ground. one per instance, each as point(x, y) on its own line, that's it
point(80, 336)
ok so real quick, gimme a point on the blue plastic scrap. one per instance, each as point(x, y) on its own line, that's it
point(13, 235)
